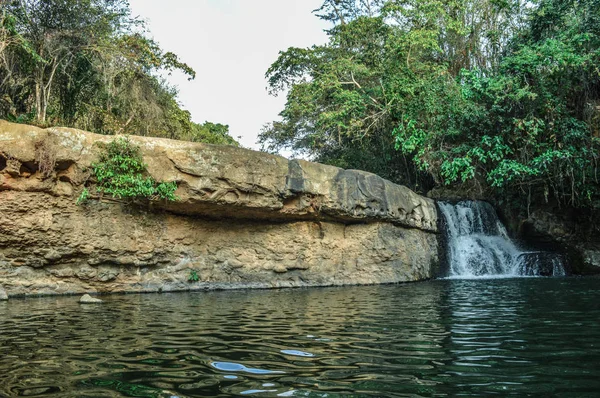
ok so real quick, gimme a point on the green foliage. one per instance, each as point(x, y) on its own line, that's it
point(505, 94)
point(388, 66)
point(194, 277)
point(84, 197)
point(120, 173)
point(88, 64)
point(541, 107)
point(210, 133)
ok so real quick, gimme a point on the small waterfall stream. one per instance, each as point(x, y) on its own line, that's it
point(479, 246)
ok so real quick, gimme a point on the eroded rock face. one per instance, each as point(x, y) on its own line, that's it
point(242, 219)
point(573, 232)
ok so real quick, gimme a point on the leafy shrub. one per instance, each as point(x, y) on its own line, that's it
point(120, 172)
point(194, 277)
point(83, 198)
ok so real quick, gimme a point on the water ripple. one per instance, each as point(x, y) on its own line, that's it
point(443, 338)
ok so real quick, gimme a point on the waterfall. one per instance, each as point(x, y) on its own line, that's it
point(479, 246)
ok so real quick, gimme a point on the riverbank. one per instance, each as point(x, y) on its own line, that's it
point(242, 219)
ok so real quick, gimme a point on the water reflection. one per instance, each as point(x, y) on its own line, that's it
point(441, 338)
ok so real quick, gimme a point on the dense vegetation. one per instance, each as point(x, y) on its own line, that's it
point(503, 95)
point(89, 64)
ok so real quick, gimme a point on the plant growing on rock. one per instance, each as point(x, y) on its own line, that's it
point(84, 197)
point(122, 173)
point(194, 277)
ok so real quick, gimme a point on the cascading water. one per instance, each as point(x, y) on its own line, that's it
point(479, 246)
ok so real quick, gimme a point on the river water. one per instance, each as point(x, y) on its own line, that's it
point(520, 337)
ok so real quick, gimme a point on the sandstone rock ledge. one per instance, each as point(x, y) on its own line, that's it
point(242, 219)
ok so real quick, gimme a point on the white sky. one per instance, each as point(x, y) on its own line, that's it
point(230, 44)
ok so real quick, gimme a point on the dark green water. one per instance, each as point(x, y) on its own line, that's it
point(519, 337)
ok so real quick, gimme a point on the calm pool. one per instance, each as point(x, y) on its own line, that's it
point(520, 337)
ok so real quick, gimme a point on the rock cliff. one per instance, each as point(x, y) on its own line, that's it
point(242, 219)
point(573, 232)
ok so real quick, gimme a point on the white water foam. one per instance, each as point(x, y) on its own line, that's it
point(479, 246)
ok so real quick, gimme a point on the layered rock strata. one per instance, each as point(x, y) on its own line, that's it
point(242, 219)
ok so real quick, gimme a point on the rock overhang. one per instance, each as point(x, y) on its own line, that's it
point(219, 181)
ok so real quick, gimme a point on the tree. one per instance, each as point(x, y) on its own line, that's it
point(387, 64)
point(87, 64)
point(57, 31)
point(531, 125)
point(502, 93)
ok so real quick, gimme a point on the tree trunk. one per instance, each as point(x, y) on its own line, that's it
point(43, 111)
point(38, 101)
